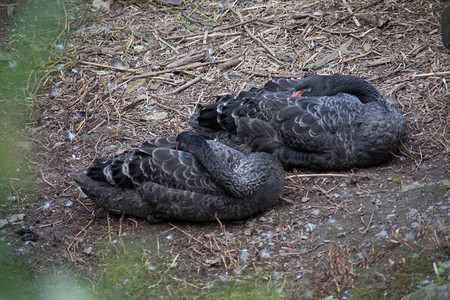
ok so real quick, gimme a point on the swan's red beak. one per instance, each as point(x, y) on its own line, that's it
point(297, 93)
point(176, 146)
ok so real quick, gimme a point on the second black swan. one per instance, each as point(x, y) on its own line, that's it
point(322, 122)
point(184, 177)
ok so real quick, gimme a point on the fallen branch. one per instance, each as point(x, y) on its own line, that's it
point(214, 30)
point(320, 175)
point(158, 38)
point(269, 75)
point(431, 74)
point(186, 85)
point(337, 32)
point(109, 67)
point(177, 69)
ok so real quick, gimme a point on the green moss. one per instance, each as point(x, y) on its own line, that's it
point(133, 269)
point(402, 274)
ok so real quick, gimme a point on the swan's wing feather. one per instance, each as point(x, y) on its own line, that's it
point(159, 142)
point(169, 167)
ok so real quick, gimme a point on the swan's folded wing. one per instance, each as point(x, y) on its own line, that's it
point(168, 167)
point(160, 142)
point(308, 123)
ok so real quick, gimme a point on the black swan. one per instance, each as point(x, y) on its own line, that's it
point(184, 177)
point(323, 122)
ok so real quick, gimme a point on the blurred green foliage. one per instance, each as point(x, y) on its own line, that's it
point(25, 52)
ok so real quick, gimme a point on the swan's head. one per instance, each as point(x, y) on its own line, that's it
point(190, 141)
point(329, 85)
point(315, 85)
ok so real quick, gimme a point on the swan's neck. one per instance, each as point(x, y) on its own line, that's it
point(239, 183)
point(356, 86)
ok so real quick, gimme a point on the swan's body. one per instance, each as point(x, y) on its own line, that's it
point(321, 122)
point(200, 181)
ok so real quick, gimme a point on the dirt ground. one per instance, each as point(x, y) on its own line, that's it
point(135, 70)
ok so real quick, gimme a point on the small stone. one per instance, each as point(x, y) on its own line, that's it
point(3, 223)
point(69, 203)
point(305, 199)
point(316, 212)
point(433, 31)
point(224, 278)
point(70, 135)
point(446, 265)
point(139, 48)
point(244, 255)
point(272, 215)
point(425, 282)
point(53, 93)
point(170, 2)
point(382, 234)
point(59, 47)
point(277, 275)
point(410, 237)
point(424, 216)
point(310, 226)
point(88, 250)
point(412, 213)
point(82, 194)
point(265, 253)
point(391, 216)
point(415, 225)
point(377, 202)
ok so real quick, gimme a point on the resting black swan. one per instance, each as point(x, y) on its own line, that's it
point(184, 177)
point(322, 122)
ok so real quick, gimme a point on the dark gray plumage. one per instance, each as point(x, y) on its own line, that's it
point(198, 181)
point(321, 122)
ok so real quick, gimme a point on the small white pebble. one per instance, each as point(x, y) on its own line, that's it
point(69, 203)
point(82, 194)
point(265, 253)
point(72, 137)
point(59, 47)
